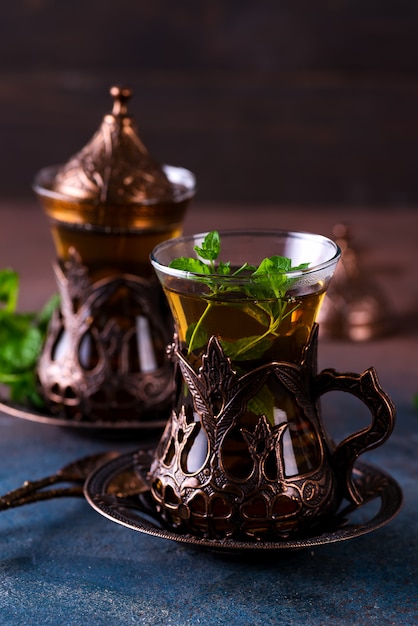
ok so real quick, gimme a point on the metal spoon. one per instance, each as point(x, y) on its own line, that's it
point(75, 472)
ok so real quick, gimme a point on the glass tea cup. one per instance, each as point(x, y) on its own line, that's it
point(245, 453)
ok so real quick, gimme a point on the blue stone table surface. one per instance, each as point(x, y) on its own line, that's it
point(62, 563)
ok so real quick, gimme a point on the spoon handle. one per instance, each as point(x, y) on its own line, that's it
point(29, 487)
point(38, 496)
point(75, 472)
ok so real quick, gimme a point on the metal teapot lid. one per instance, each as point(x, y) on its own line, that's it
point(115, 167)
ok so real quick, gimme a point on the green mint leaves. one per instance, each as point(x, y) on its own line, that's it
point(211, 247)
point(269, 278)
point(209, 251)
point(9, 289)
point(272, 272)
point(190, 265)
point(21, 339)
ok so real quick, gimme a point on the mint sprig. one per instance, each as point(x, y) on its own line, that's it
point(270, 277)
point(210, 248)
point(22, 336)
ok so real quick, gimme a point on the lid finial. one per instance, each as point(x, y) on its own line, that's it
point(120, 96)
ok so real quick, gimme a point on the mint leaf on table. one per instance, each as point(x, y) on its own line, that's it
point(22, 336)
point(9, 289)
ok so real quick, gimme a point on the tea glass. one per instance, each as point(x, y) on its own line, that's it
point(245, 454)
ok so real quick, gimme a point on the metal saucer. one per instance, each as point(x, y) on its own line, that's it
point(117, 492)
point(33, 415)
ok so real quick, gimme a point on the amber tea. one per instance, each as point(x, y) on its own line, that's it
point(108, 206)
point(114, 319)
point(261, 311)
point(244, 454)
point(251, 332)
point(119, 243)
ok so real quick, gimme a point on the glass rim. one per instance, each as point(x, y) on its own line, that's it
point(235, 233)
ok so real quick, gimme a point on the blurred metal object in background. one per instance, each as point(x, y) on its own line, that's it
point(104, 359)
point(354, 307)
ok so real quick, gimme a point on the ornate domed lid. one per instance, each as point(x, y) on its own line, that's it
point(115, 167)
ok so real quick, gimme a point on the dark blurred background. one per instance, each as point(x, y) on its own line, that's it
point(290, 101)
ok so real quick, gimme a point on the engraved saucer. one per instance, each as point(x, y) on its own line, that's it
point(119, 492)
point(31, 414)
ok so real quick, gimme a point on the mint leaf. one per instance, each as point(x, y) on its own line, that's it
point(259, 311)
point(245, 267)
point(263, 404)
point(267, 290)
point(272, 274)
point(246, 348)
point(190, 265)
point(196, 336)
point(224, 269)
point(20, 344)
point(9, 289)
point(21, 339)
point(211, 246)
point(273, 264)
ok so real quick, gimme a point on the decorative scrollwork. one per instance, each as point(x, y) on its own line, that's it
point(367, 388)
point(223, 469)
point(115, 167)
point(93, 367)
point(216, 497)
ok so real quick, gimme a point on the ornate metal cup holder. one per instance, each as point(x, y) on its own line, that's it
point(118, 490)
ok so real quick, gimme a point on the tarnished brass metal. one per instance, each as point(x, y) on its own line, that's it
point(115, 167)
point(108, 206)
point(217, 474)
point(44, 488)
point(355, 307)
point(104, 357)
point(118, 491)
point(115, 182)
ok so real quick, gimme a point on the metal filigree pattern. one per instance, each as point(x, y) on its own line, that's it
point(104, 357)
point(115, 167)
point(138, 511)
point(268, 499)
point(224, 470)
point(366, 387)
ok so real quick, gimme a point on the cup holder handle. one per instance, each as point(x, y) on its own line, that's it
point(367, 388)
